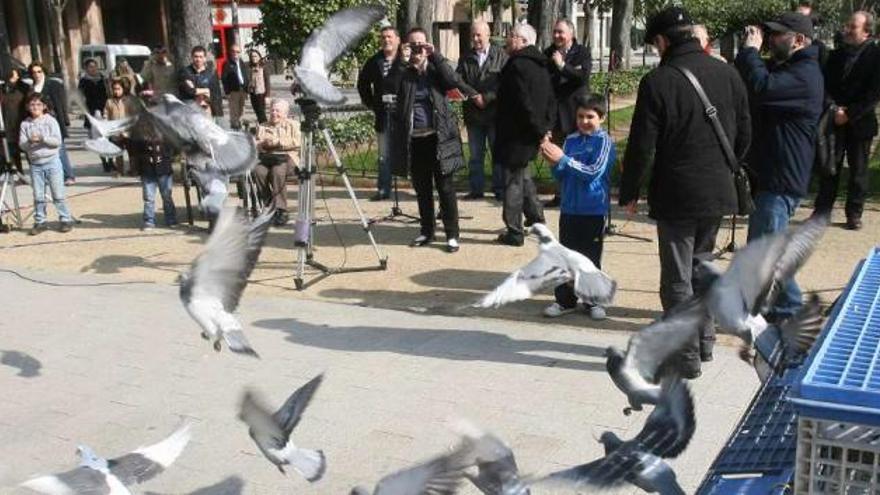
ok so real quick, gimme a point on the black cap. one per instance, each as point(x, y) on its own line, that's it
point(665, 20)
point(792, 22)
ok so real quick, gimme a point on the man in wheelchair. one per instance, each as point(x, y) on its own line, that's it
point(278, 143)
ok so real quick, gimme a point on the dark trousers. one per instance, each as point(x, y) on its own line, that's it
point(426, 174)
point(682, 244)
point(258, 102)
point(584, 234)
point(272, 184)
point(520, 198)
point(857, 151)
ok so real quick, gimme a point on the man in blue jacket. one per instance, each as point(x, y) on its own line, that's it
point(787, 95)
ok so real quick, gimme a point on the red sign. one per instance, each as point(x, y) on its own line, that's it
point(220, 15)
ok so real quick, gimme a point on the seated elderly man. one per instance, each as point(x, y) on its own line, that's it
point(278, 142)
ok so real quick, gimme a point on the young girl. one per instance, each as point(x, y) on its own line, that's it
point(118, 106)
point(40, 138)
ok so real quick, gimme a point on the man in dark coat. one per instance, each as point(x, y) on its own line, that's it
point(235, 79)
point(53, 89)
point(481, 69)
point(380, 77)
point(691, 185)
point(426, 139)
point(526, 112)
point(787, 94)
point(852, 81)
point(570, 68)
point(198, 82)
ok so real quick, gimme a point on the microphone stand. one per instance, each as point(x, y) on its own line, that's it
point(389, 104)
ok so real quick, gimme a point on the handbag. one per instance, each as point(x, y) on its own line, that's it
point(745, 204)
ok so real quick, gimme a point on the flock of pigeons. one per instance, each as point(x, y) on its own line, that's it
point(735, 299)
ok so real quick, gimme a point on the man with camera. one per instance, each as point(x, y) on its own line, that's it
point(691, 185)
point(481, 69)
point(377, 85)
point(426, 140)
point(852, 81)
point(787, 94)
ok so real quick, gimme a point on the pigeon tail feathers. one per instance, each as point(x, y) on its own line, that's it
point(310, 463)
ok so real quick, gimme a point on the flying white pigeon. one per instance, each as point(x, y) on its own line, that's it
point(212, 288)
point(99, 131)
point(325, 45)
point(96, 475)
point(555, 265)
point(271, 432)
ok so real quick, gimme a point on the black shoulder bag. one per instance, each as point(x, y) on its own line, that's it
point(740, 176)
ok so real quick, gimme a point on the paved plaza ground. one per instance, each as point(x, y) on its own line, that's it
point(121, 363)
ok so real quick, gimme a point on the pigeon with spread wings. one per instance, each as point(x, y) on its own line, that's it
point(212, 288)
point(439, 476)
point(554, 265)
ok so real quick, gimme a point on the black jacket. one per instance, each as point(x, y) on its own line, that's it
point(787, 99)
point(852, 80)
point(371, 85)
point(572, 80)
point(53, 90)
point(484, 80)
point(95, 92)
point(230, 75)
point(441, 78)
point(690, 178)
point(205, 79)
point(526, 108)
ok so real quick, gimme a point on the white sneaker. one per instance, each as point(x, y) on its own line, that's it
point(452, 245)
point(597, 313)
point(556, 310)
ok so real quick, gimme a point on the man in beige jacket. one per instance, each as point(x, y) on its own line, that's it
point(278, 142)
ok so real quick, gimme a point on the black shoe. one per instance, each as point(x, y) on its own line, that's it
point(421, 240)
point(510, 240)
point(452, 246)
point(380, 197)
point(853, 223)
point(553, 203)
point(65, 227)
point(473, 196)
point(528, 223)
point(38, 228)
point(281, 218)
point(4, 229)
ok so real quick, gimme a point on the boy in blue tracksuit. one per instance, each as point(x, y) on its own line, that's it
point(583, 168)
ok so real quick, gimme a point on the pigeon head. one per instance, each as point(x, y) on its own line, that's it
point(614, 359)
point(611, 441)
point(543, 233)
point(359, 490)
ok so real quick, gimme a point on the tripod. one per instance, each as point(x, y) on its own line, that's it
point(389, 103)
point(9, 179)
point(731, 246)
point(304, 238)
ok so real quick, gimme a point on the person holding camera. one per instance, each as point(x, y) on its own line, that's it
point(377, 86)
point(426, 137)
point(787, 94)
point(691, 182)
point(278, 142)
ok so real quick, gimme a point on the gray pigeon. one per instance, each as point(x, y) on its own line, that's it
point(99, 476)
point(497, 471)
point(439, 476)
point(640, 461)
point(28, 366)
point(271, 432)
point(778, 345)
point(212, 288)
point(554, 265)
point(635, 372)
point(738, 298)
point(325, 45)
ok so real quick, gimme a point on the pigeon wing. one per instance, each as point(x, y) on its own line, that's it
point(654, 344)
point(800, 242)
point(108, 128)
point(339, 34)
point(147, 462)
point(316, 85)
point(237, 155)
point(799, 333)
point(103, 147)
point(495, 461)
point(671, 425)
point(439, 476)
point(544, 271)
point(260, 421)
point(80, 481)
point(288, 416)
point(591, 285)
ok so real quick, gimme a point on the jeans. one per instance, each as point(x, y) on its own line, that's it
point(384, 182)
point(477, 136)
point(66, 166)
point(772, 214)
point(164, 183)
point(49, 174)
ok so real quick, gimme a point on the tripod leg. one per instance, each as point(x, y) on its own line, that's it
point(365, 224)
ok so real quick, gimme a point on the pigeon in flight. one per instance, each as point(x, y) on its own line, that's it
point(778, 345)
point(497, 471)
point(28, 366)
point(99, 131)
point(212, 288)
point(271, 432)
point(325, 45)
point(738, 297)
point(439, 476)
point(640, 461)
point(635, 372)
point(554, 265)
point(98, 476)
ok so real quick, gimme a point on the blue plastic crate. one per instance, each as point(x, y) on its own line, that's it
point(842, 377)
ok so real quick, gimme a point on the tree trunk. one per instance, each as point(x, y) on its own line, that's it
point(541, 15)
point(60, 40)
point(5, 53)
point(728, 47)
point(621, 26)
point(497, 7)
point(587, 35)
point(190, 26)
point(425, 18)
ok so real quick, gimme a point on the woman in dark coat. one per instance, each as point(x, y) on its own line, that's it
point(14, 92)
point(93, 86)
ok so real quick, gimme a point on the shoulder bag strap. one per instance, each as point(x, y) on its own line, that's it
point(712, 113)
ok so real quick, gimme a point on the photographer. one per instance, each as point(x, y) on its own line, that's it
point(278, 143)
point(426, 138)
point(787, 95)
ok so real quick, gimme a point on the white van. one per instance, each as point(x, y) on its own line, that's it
point(106, 56)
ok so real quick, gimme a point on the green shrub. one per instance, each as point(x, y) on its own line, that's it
point(623, 82)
